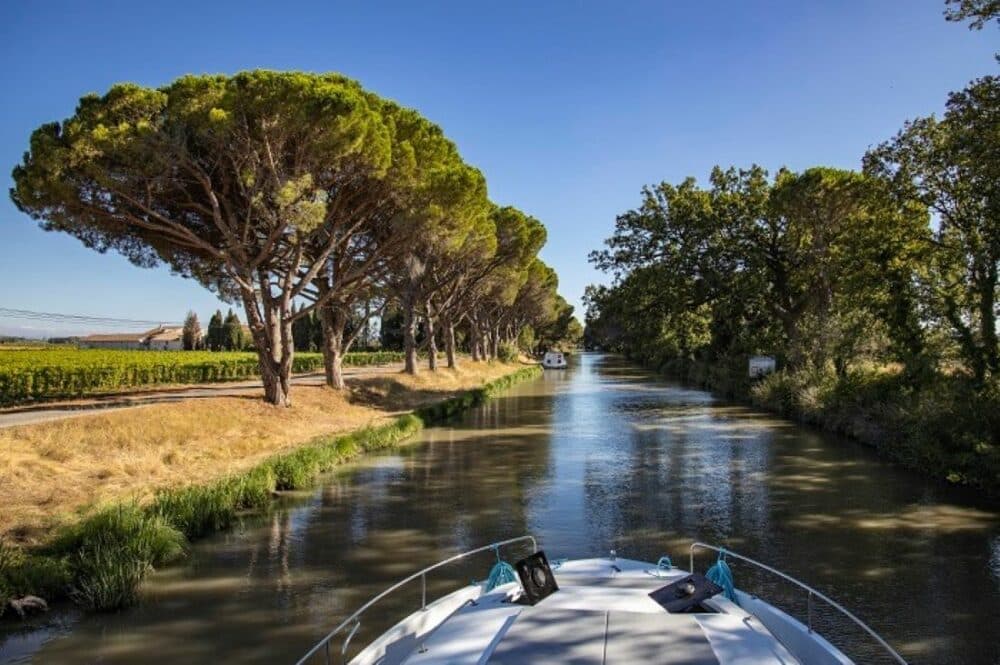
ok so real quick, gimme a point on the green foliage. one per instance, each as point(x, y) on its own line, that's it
point(23, 573)
point(507, 352)
point(796, 267)
point(391, 330)
point(232, 333)
point(558, 328)
point(127, 527)
point(110, 552)
point(977, 12)
point(303, 333)
point(253, 184)
point(943, 427)
point(496, 387)
point(951, 166)
point(106, 578)
point(215, 339)
point(195, 511)
point(52, 372)
point(192, 332)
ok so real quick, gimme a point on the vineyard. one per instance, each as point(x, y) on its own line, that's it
point(28, 375)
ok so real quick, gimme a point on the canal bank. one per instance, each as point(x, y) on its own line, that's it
point(942, 426)
point(602, 455)
point(100, 561)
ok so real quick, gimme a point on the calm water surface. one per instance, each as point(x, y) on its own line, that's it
point(597, 457)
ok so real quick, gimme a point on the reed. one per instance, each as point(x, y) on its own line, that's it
point(109, 553)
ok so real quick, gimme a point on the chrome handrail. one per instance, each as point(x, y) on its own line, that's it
point(422, 574)
point(812, 592)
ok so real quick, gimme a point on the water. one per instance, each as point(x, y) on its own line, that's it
point(598, 457)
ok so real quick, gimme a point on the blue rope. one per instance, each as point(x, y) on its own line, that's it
point(664, 563)
point(721, 574)
point(501, 573)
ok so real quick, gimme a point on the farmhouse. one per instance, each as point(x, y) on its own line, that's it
point(161, 338)
point(167, 339)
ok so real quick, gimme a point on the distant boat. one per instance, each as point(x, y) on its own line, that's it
point(600, 611)
point(554, 360)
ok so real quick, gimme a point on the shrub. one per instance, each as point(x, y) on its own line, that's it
point(946, 427)
point(22, 573)
point(507, 352)
point(106, 579)
point(109, 553)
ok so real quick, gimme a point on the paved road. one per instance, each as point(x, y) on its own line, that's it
point(39, 413)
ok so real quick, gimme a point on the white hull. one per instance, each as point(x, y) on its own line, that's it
point(598, 615)
point(554, 360)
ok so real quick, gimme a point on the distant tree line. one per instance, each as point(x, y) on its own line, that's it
point(300, 196)
point(896, 263)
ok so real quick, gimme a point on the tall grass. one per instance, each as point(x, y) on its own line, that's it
point(110, 552)
point(101, 561)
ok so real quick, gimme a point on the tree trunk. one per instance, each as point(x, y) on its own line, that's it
point(275, 390)
point(496, 343)
point(367, 339)
point(409, 336)
point(334, 321)
point(988, 318)
point(432, 351)
point(449, 343)
point(287, 345)
point(273, 343)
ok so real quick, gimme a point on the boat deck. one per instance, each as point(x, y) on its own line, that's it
point(599, 615)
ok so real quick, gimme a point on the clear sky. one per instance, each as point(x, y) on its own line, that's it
point(568, 108)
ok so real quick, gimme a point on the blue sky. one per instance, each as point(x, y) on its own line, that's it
point(568, 108)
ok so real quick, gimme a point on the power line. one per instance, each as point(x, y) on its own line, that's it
point(57, 317)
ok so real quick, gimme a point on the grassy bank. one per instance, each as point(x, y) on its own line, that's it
point(943, 427)
point(99, 560)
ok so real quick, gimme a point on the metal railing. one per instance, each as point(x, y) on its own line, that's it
point(812, 593)
point(355, 621)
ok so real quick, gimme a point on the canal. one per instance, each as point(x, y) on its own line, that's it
point(600, 456)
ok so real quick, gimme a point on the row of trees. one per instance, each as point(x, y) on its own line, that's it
point(224, 334)
point(826, 267)
point(297, 195)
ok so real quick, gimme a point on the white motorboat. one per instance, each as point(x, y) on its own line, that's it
point(554, 360)
point(604, 610)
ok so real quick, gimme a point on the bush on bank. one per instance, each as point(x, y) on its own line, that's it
point(943, 427)
point(100, 562)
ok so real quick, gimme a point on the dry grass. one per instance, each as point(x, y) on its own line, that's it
point(50, 472)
